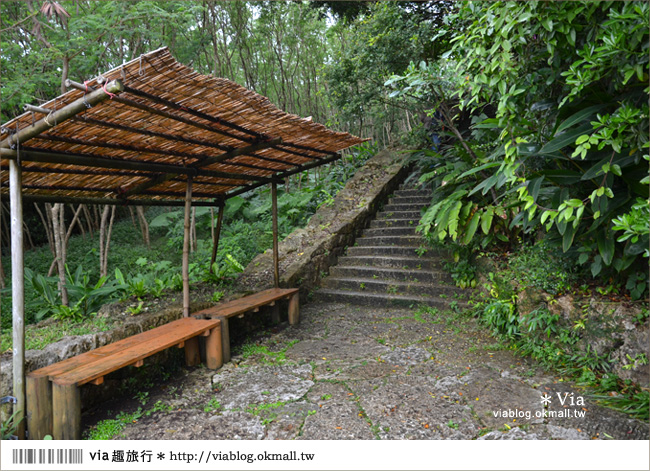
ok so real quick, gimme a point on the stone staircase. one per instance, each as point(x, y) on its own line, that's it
point(391, 265)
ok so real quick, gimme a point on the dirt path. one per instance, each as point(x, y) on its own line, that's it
point(349, 372)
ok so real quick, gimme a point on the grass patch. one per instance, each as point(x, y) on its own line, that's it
point(267, 357)
point(37, 338)
point(109, 428)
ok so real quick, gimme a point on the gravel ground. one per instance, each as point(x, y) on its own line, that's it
point(349, 372)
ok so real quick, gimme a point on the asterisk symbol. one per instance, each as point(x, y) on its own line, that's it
point(546, 399)
point(161, 456)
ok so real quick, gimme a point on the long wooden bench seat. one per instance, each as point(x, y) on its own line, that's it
point(53, 395)
point(252, 303)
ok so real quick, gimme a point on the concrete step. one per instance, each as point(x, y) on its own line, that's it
point(369, 285)
point(388, 261)
point(383, 300)
point(410, 200)
point(395, 250)
point(404, 207)
point(399, 215)
point(397, 274)
point(414, 185)
point(390, 231)
point(407, 193)
point(394, 223)
point(408, 241)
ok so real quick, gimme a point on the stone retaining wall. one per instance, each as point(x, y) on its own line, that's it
point(306, 254)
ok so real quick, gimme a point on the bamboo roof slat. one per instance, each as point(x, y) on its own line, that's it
point(164, 123)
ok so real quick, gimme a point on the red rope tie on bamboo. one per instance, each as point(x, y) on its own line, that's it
point(86, 85)
point(111, 95)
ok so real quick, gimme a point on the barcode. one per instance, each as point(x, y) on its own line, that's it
point(45, 456)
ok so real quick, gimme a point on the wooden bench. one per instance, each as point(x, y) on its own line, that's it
point(53, 394)
point(251, 303)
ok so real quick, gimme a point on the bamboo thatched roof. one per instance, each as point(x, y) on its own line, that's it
point(138, 146)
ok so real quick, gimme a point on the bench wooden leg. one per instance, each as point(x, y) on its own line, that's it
point(192, 353)
point(66, 404)
point(213, 349)
point(275, 313)
point(294, 309)
point(39, 407)
point(225, 339)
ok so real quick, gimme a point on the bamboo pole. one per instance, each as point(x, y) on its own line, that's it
point(10, 154)
point(216, 235)
point(18, 295)
point(274, 210)
point(280, 176)
point(186, 249)
point(90, 160)
point(110, 201)
point(65, 113)
point(202, 163)
point(231, 153)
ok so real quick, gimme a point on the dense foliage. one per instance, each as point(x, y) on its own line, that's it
point(559, 136)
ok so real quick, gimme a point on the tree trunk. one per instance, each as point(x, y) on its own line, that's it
point(105, 230)
point(48, 228)
point(144, 225)
point(57, 218)
point(75, 220)
point(135, 226)
point(89, 222)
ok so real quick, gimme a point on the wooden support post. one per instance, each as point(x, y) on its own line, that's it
point(213, 349)
point(217, 234)
point(17, 294)
point(66, 402)
point(225, 339)
point(186, 249)
point(294, 309)
point(275, 313)
point(192, 352)
point(274, 209)
point(39, 407)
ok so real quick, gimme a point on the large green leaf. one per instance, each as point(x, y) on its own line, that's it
point(485, 185)
point(479, 168)
point(595, 170)
point(567, 238)
point(564, 139)
point(164, 219)
point(605, 246)
point(471, 227)
point(486, 220)
point(534, 185)
point(582, 115)
point(453, 219)
point(563, 177)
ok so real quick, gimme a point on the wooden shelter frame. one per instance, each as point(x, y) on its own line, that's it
point(243, 143)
